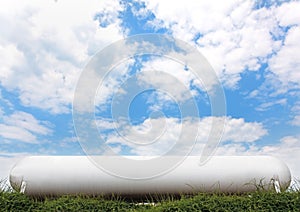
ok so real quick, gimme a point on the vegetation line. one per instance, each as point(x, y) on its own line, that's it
point(256, 201)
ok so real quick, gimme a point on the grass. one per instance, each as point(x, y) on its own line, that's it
point(257, 201)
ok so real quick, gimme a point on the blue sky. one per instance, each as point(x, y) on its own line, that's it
point(251, 45)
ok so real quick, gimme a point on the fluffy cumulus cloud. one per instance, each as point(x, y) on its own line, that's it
point(287, 13)
point(285, 64)
point(237, 130)
point(235, 36)
point(45, 46)
point(160, 135)
point(23, 127)
point(178, 81)
point(287, 149)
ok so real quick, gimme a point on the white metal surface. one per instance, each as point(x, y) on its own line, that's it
point(58, 175)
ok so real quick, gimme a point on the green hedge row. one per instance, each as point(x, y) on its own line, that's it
point(259, 201)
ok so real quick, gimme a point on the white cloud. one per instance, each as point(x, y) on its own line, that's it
point(112, 84)
point(11, 57)
point(296, 112)
point(234, 36)
point(285, 64)
point(296, 107)
point(27, 122)
point(296, 120)
point(105, 123)
point(237, 130)
point(287, 150)
point(287, 13)
point(158, 136)
point(152, 137)
point(16, 133)
point(45, 46)
point(23, 127)
point(171, 78)
point(267, 105)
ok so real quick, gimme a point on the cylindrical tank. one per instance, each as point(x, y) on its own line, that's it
point(60, 175)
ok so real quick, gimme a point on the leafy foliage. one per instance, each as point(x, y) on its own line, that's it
point(258, 201)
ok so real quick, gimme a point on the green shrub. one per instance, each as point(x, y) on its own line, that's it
point(257, 201)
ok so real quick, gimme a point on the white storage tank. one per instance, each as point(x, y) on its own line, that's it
point(60, 175)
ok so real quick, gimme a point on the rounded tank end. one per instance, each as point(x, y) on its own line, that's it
point(284, 176)
point(15, 179)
